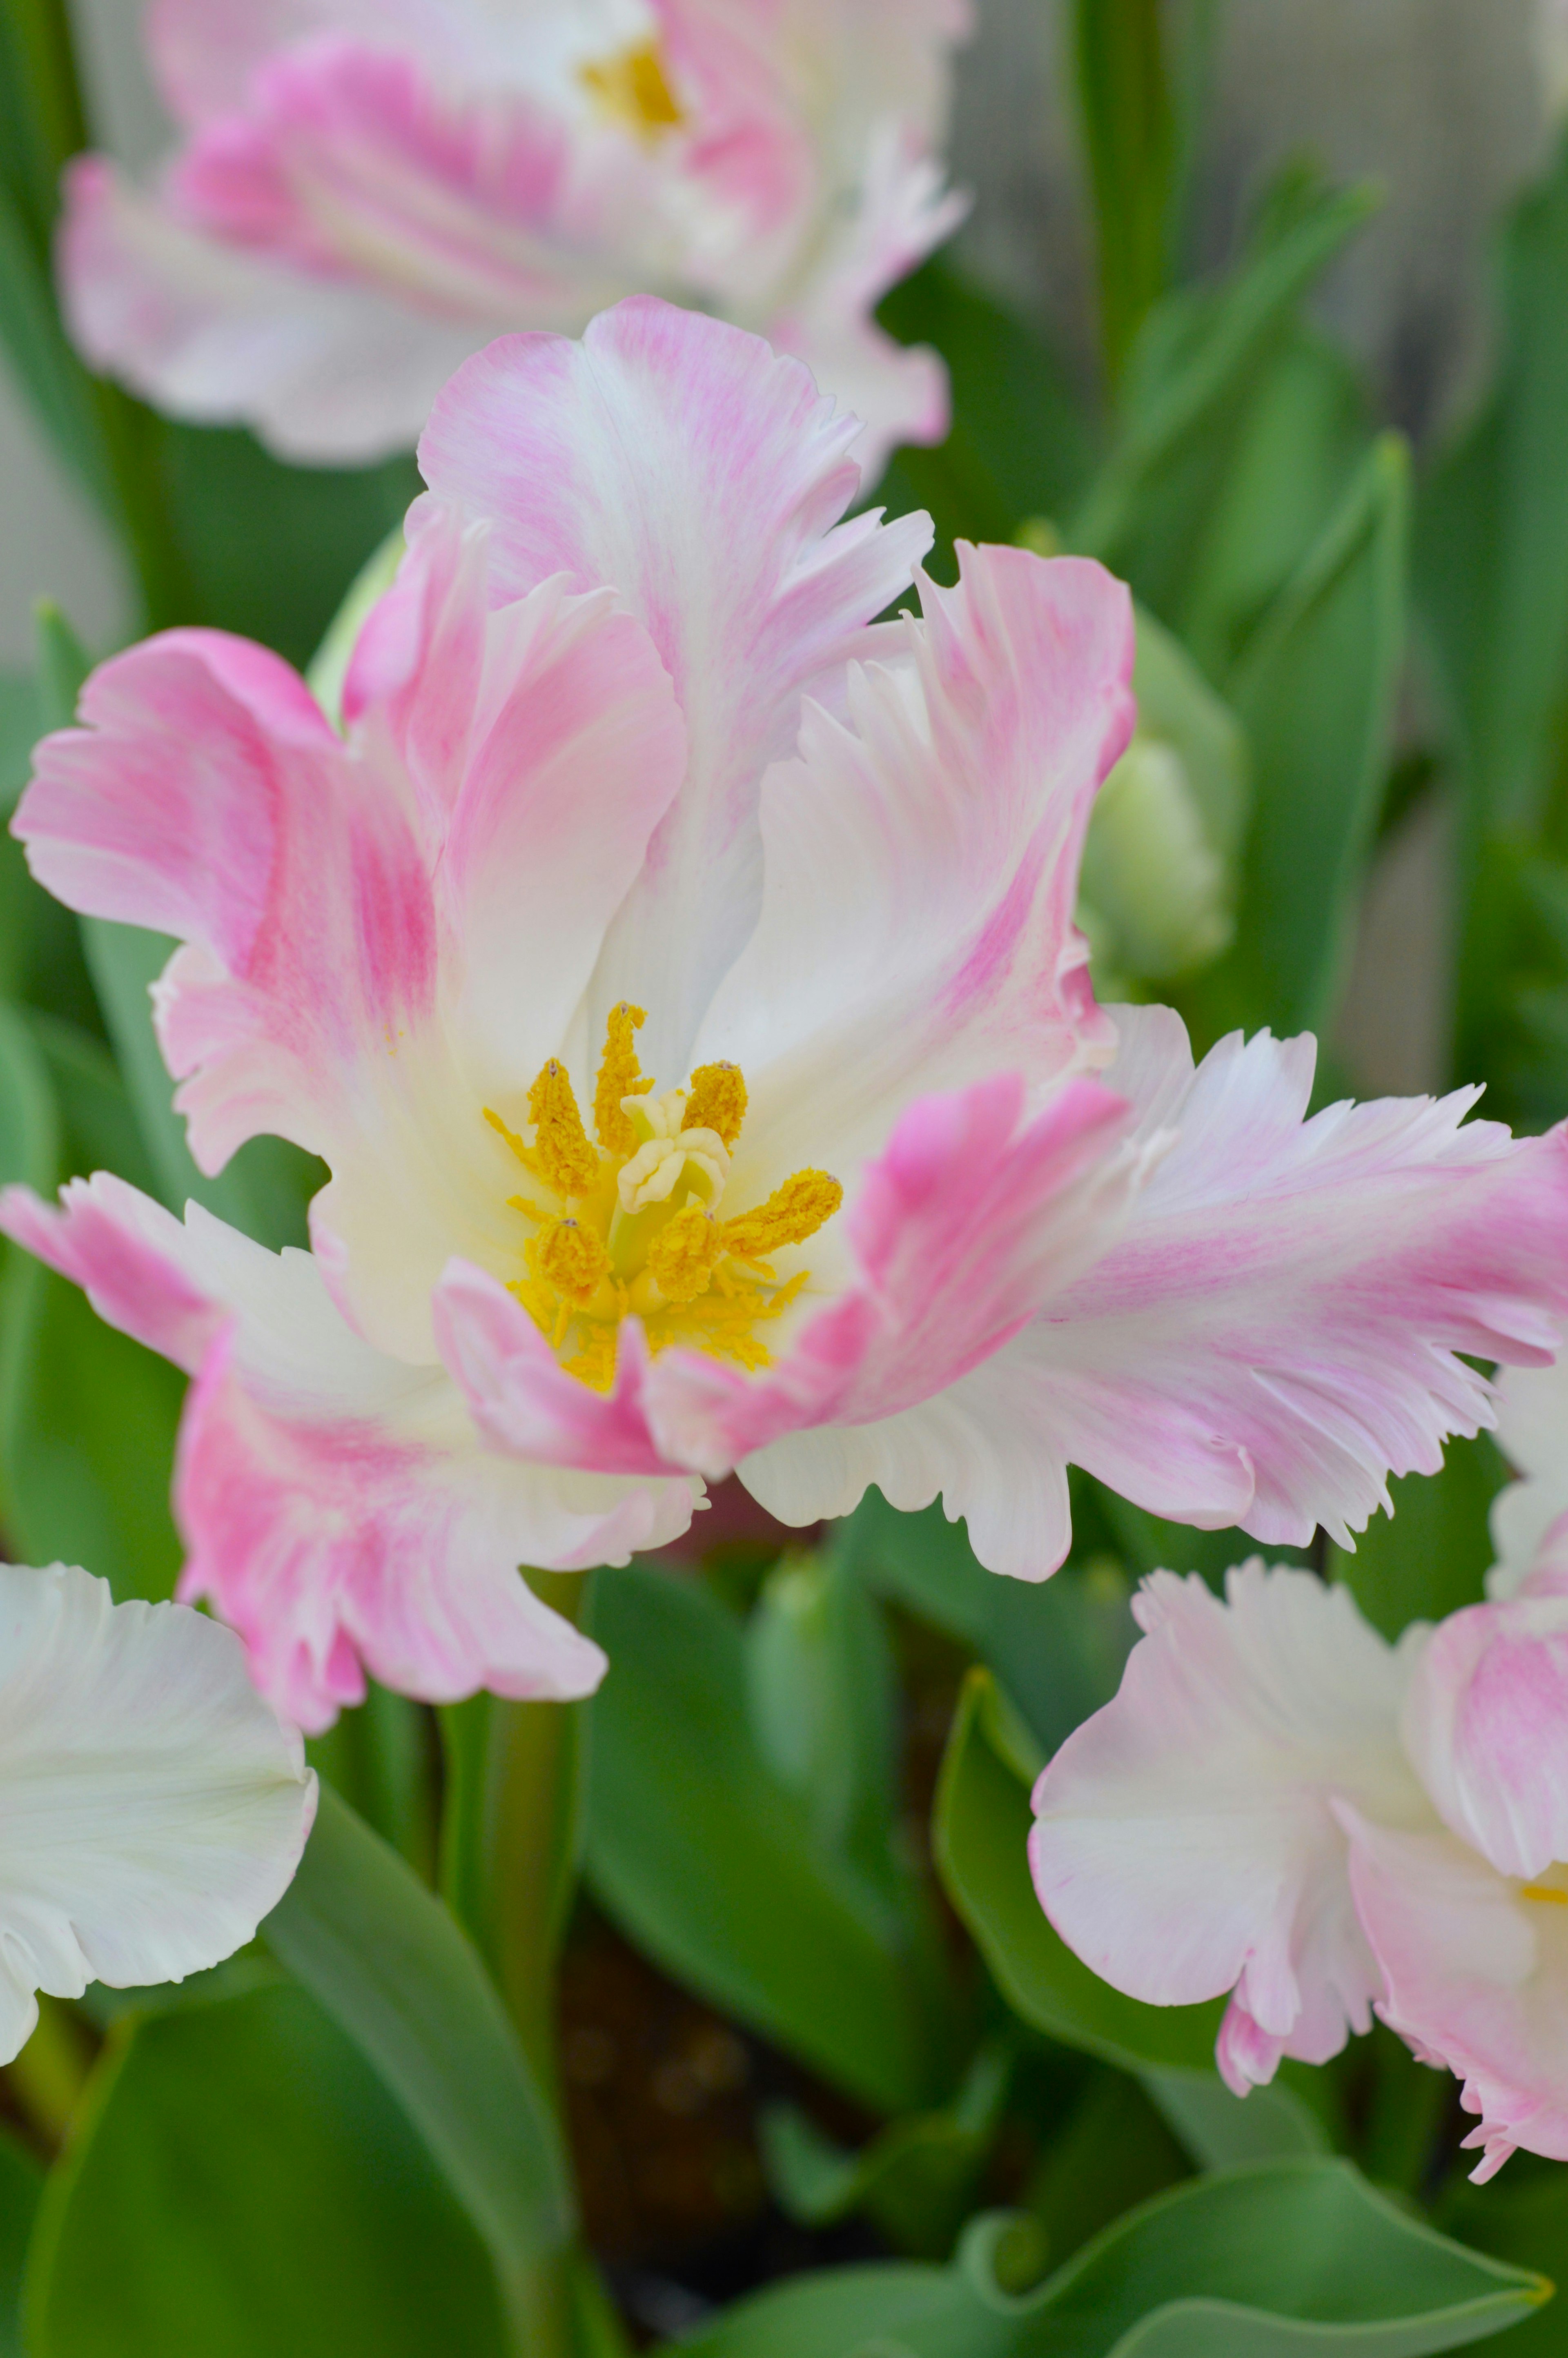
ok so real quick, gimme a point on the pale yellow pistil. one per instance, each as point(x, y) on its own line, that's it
point(633, 89)
point(630, 1227)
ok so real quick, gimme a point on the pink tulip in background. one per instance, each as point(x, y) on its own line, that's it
point(364, 194)
point(677, 971)
point(1280, 1804)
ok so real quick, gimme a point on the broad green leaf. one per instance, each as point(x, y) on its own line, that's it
point(1196, 362)
point(979, 1835)
point(98, 1123)
point(1304, 432)
point(713, 1866)
point(1317, 695)
point(1057, 1647)
point(1018, 444)
point(87, 1417)
point(1433, 1555)
point(1522, 2217)
point(1282, 2258)
point(1219, 2130)
point(1129, 132)
point(273, 550)
point(916, 2179)
point(240, 2185)
point(1490, 550)
point(382, 1956)
point(21, 2184)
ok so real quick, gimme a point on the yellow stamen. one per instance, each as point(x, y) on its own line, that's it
point(717, 1100)
point(513, 1141)
point(562, 1154)
point(640, 1237)
point(619, 1076)
point(1546, 1891)
point(792, 1213)
point(634, 90)
point(681, 1257)
point(572, 1259)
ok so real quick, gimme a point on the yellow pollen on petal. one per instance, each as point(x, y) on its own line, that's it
point(717, 1100)
point(561, 1154)
point(633, 88)
point(619, 1076)
point(632, 1230)
point(792, 1213)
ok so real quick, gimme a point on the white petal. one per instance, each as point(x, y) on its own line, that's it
point(153, 1808)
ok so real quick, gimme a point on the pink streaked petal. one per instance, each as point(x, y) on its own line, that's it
point(330, 1547)
point(1185, 1841)
point(128, 1255)
point(522, 1401)
point(962, 1223)
point(1485, 1723)
point(206, 796)
point(358, 160)
point(337, 1505)
point(326, 372)
point(902, 392)
point(1278, 1329)
point(677, 460)
point(1246, 2057)
point(1478, 1980)
point(921, 865)
point(543, 744)
point(1533, 1429)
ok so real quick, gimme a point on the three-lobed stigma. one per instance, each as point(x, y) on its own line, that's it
point(628, 1223)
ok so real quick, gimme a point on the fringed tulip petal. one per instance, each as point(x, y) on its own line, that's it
point(154, 1809)
point(1185, 1841)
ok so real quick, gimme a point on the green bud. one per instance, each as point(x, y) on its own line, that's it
point(1159, 874)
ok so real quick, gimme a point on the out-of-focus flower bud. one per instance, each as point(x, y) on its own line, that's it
point(1157, 889)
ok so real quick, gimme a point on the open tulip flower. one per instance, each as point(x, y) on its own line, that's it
point(677, 971)
point(153, 1809)
point(368, 190)
point(1281, 1804)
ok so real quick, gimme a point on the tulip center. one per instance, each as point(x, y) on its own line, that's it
point(1552, 1888)
point(632, 1225)
point(632, 89)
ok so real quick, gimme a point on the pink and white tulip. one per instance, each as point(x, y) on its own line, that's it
point(623, 736)
point(1281, 1805)
point(364, 195)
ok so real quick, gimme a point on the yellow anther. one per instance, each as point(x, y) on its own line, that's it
point(792, 1213)
point(633, 87)
point(1546, 1891)
point(681, 1257)
point(619, 1076)
point(572, 1259)
point(717, 1100)
point(562, 1154)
